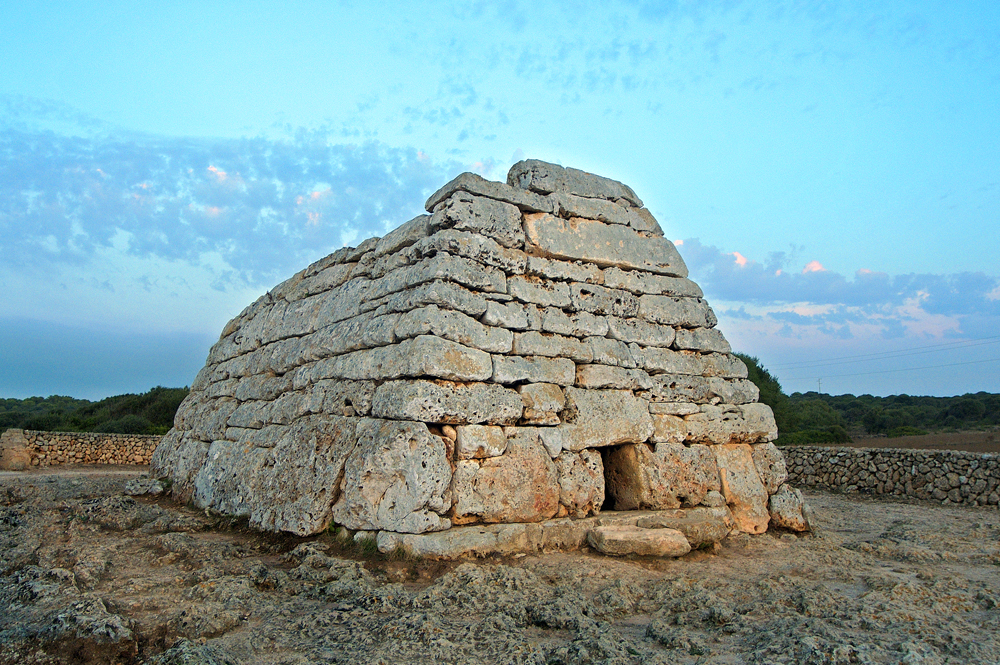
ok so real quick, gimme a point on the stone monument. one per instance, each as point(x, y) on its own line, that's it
point(488, 377)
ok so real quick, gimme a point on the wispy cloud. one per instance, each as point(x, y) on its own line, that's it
point(264, 206)
point(810, 300)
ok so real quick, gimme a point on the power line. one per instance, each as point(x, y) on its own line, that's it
point(888, 354)
point(887, 371)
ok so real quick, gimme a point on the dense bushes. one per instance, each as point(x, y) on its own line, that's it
point(149, 413)
point(818, 418)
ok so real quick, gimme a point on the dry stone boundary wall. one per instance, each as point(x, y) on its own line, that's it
point(528, 351)
point(53, 448)
point(947, 476)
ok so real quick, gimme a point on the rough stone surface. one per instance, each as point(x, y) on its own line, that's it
point(701, 526)
point(770, 465)
point(526, 353)
point(479, 441)
point(745, 493)
point(623, 540)
point(581, 482)
point(545, 178)
point(397, 478)
point(522, 485)
point(605, 245)
point(668, 476)
point(788, 509)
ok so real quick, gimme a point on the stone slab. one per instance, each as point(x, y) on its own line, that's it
point(605, 245)
point(447, 402)
point(480, 186)
point(545, 178)
point(626, 540)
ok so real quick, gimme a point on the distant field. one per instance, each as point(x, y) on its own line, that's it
point(975, 442)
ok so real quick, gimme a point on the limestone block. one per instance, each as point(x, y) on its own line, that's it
point(454, 326)
point(564, 271)
point(789, 510)
point(668, 429)
point(542, 396)
point(671, 474)
point(397, 478)
point(441, 266)
point(612, 352)
point(605, 245)
point(479, 441)
point(522, 485)
point(321, 281)
point(577, 324)
point(512, 315)
point(539, 292)
point(473, 246)
point(545, 178)
point(581, 482)
point(446, 402)
point(289, 486)
point(641, 219)
point(640, 282)
point(730, 423)
point(261, 387)
point(675, 311)
point(540, 418)
point(473, 540)
point(723, 365)
point(494, 219)
point(534, 343)
point(479, 186)
point(640, 331)
point(403, 236)
point(426, 355)
point(437, 292)
point(702, 339)
point(533, 369)
point(344, 398)
point(569, 205)
point(595, 418)
point(206, 420)
point(744, 492)
point(701, 526)
point(673, 408)
point(700, 390)
point(624, 540)
point(603, 376)
point(667, 361)
point(770, 464)
point(603, 301)
point(14, 455)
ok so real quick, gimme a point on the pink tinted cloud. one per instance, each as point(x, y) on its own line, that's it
point(740, 259)
point(813, 266)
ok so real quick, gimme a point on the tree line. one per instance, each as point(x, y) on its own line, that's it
point(151, 412)
point(801, 417)
point(820, 418)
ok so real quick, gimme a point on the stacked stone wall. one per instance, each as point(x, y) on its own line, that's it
point(494, 361)
point(53, 448)
point(947, 476)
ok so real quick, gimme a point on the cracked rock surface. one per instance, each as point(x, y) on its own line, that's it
point(89, 574)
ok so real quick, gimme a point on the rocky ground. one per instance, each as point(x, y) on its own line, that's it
point(88, 574)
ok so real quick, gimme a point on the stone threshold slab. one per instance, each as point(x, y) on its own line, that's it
point(480, 540)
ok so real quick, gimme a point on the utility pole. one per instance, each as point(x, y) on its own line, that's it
point(819, 386)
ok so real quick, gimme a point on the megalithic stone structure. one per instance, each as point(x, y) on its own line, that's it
point(528, 353)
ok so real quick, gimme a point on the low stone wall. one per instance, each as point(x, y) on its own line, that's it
point(938, 475)
point(51, 448)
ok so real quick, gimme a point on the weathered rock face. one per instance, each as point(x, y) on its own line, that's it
point(528, 351)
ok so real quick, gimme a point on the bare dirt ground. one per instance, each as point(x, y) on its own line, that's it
point(973, 442)
point(90, 575)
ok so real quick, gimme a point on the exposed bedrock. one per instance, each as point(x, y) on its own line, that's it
point(527, 352)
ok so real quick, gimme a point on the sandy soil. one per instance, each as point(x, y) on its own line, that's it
point(973, 442)
point(90, 575)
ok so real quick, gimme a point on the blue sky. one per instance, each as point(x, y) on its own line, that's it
point(830, 171)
